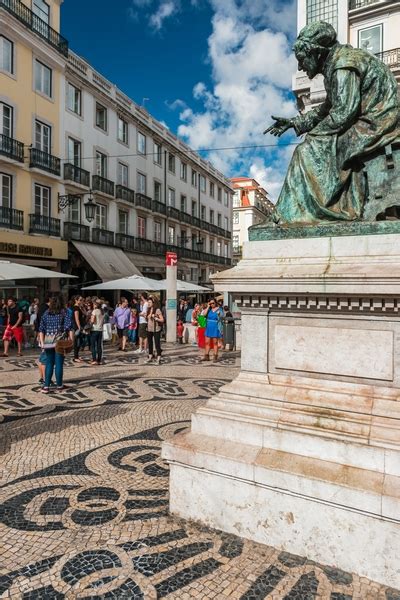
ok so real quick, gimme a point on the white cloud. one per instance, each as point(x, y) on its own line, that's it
point(165, 10)
point(252, 66)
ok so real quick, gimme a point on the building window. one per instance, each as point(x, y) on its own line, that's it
point(211, 246)
point(171, 235)
point(101, 216)
point(219, 220)
point(6, 120)
point(323, 10)
point(212, 189)
point(194, 208)
point(74, 99)
point(235, 243)
point(101, 164)
point(171, 163)
point(370, 39)
point(42, 137)
point(194, 178)
point(226, 223)
point(101, 117)
point(183, 203)
point(157, 231)
point(219, 195)
point(123, 174)
point(141, 183)
point(42, 10)
point(183, 238)
point(202, 183)
point(74, 212)
point(183, 171)
point(211, 216)
point(6, 55)
point(74, 152)
point(42, 200)
point(226, 198)
point(171, 197)
point(141, 227)
point(141, 143)
point(5, 190)
point(219, 248)
point(43, 77)
point(194, 274)
point(236, 199)
point(236, 217)
point(226, 250)
point(123, 222)
point(157, 153)
point(122, 131)
point(203, 213)
point(157, 191)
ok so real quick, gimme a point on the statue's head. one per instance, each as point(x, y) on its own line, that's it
point(313, 45)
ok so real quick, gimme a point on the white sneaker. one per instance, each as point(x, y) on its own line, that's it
point(138, 351)
point(149, 360)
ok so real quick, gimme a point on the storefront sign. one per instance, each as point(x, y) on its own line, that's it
point(171, 259)
point(25, 249)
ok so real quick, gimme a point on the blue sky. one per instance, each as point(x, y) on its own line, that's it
point(212, 70)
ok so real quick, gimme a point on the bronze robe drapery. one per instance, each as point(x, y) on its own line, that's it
point(360, 115)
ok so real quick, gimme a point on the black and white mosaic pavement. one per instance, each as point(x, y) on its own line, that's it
point(84, 493)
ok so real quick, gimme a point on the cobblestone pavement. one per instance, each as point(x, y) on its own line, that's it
point(84, 496)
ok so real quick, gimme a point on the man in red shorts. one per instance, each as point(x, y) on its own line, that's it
point(15, 317)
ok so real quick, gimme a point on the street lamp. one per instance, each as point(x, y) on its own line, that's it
point(90, 206)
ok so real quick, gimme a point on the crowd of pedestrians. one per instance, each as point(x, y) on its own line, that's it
point(83, 324)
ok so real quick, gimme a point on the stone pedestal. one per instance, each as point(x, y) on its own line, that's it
point(302, 450)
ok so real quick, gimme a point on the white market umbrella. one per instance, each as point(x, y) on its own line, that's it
point(184, 286)
point(134, 282)
point(10, 271)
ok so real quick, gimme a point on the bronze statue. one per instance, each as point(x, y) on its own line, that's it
point(340, 172)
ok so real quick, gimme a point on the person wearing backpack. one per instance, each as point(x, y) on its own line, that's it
point(55, 323)
point(96, 332)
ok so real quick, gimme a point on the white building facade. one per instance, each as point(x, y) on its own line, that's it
point(152, 192)
point(370, 24)
point(251, 205)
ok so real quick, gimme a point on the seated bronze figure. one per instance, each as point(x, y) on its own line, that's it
point(347, 167)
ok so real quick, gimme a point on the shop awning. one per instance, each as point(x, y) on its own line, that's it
point(10, 271)
point(108, 263)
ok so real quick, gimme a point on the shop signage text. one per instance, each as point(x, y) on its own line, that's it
point(25, 249)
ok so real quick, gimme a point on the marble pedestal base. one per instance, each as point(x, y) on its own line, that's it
point(302, 450)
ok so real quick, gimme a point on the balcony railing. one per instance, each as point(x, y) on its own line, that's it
point(45, 162)
point(174, 213)
point(102, 236)
point(21, 12)
point(143, 245)
point(11, 148)
point(158, 207)
point(353, 4)
point(143, 201)
point(76, 174)
point(101, 184)
point(391, 58)
point(44, 225)
point(125, 241)
point(125, 193)
point(10, 218)
point(76, 231)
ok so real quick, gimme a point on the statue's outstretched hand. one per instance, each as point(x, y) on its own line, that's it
point(279, 127)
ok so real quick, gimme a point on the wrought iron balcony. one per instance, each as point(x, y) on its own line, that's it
point(125, 193)
point(26, 16)
point(173, 213)
point(143, 245)
point(76, 174)
point(186, 218)
point(391, 58)
point(44, 225)
point(10, 218)
point(45, 162)
point(227, 234)
point(102, 236)
point(159, 207)
point(11, 148)
point(143, 201)
point(101, 184)
point(353, 4)
point(127, 242)
point(76, 231)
